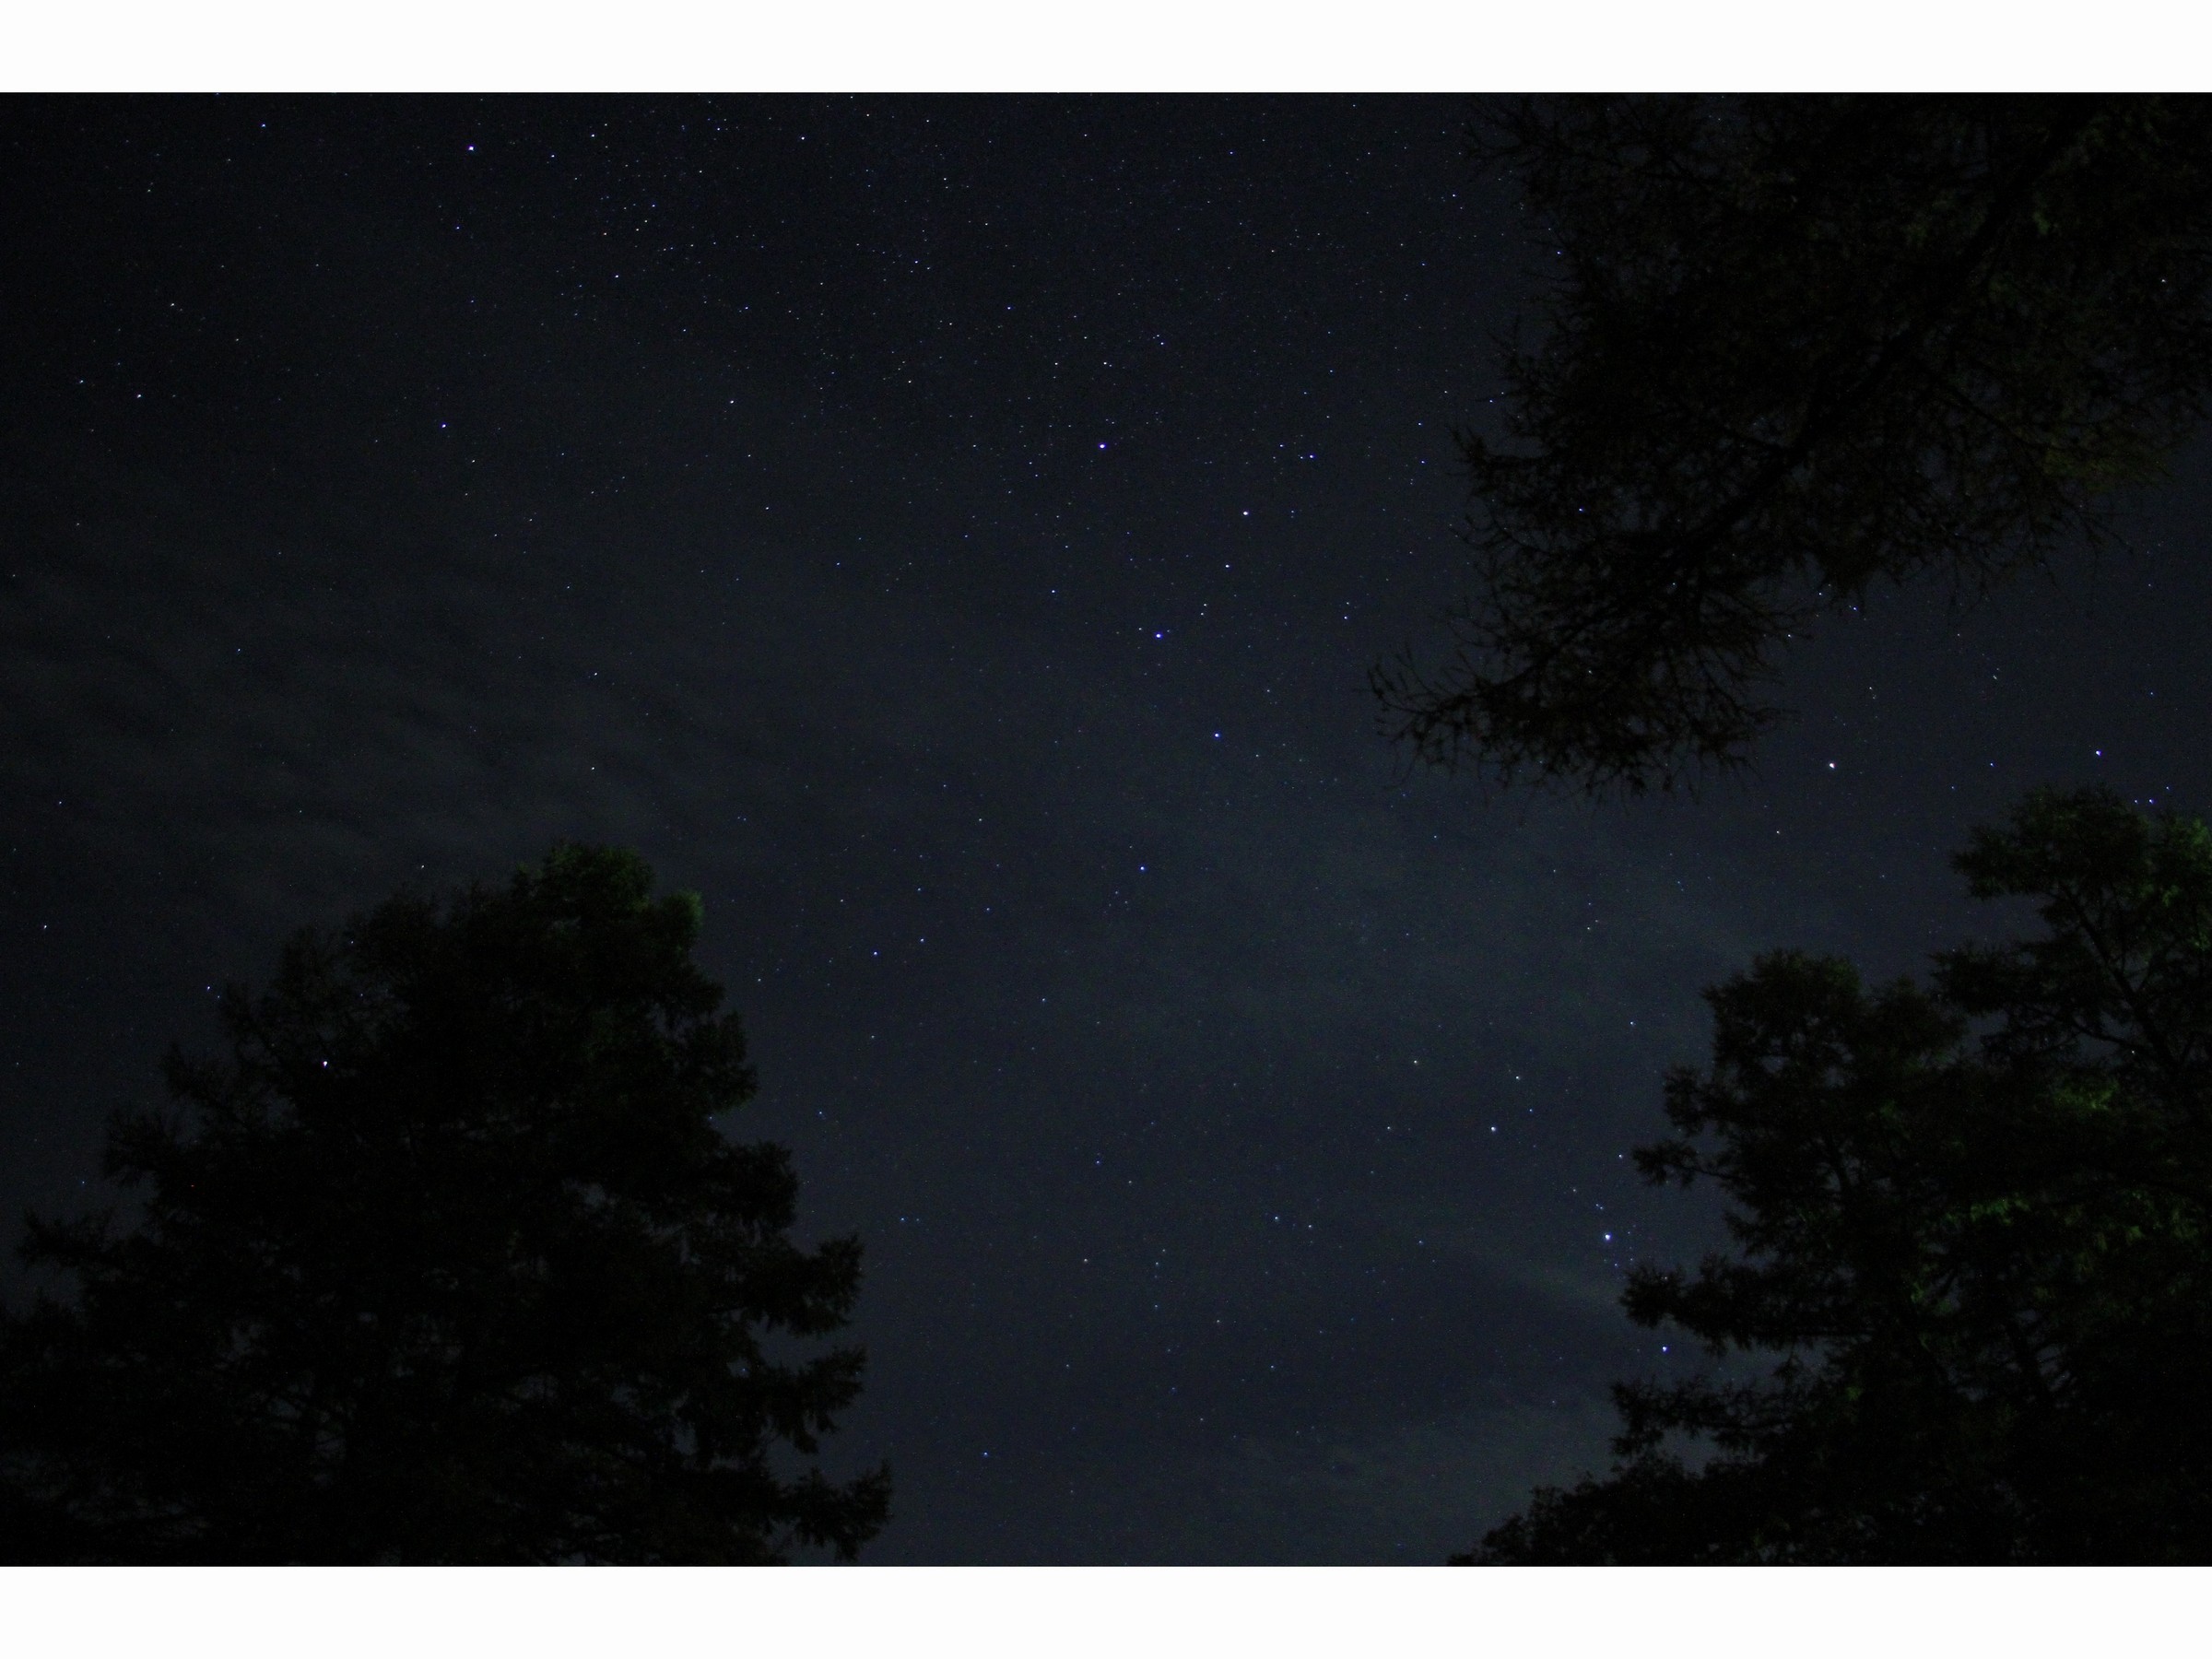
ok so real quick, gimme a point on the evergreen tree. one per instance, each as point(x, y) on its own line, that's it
point(1973, 1234)
point(448, 1261)
point(1794, 345)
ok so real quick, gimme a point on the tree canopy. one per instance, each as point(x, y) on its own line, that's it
point(449, 1260)
point(1794, 345)
point(1972, 1227)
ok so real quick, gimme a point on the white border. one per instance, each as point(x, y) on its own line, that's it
point(1099, 45)
point(1079, 1613)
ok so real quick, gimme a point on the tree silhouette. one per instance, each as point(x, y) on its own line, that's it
point(1973, 1222)
point(1794, 345)
point(448, 1261)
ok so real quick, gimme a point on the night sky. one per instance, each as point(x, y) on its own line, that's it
point(951, 535)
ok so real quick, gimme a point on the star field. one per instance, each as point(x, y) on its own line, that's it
point(951, 535)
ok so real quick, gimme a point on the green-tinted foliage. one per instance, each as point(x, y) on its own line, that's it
point(447, 1262)
point(1796, 345)
point(1970, 1232)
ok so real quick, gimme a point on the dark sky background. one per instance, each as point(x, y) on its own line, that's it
point(951, 535)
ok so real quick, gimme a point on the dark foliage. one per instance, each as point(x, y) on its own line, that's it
point(449, 1261)
point(1971, 1220)
point(1794, 345)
